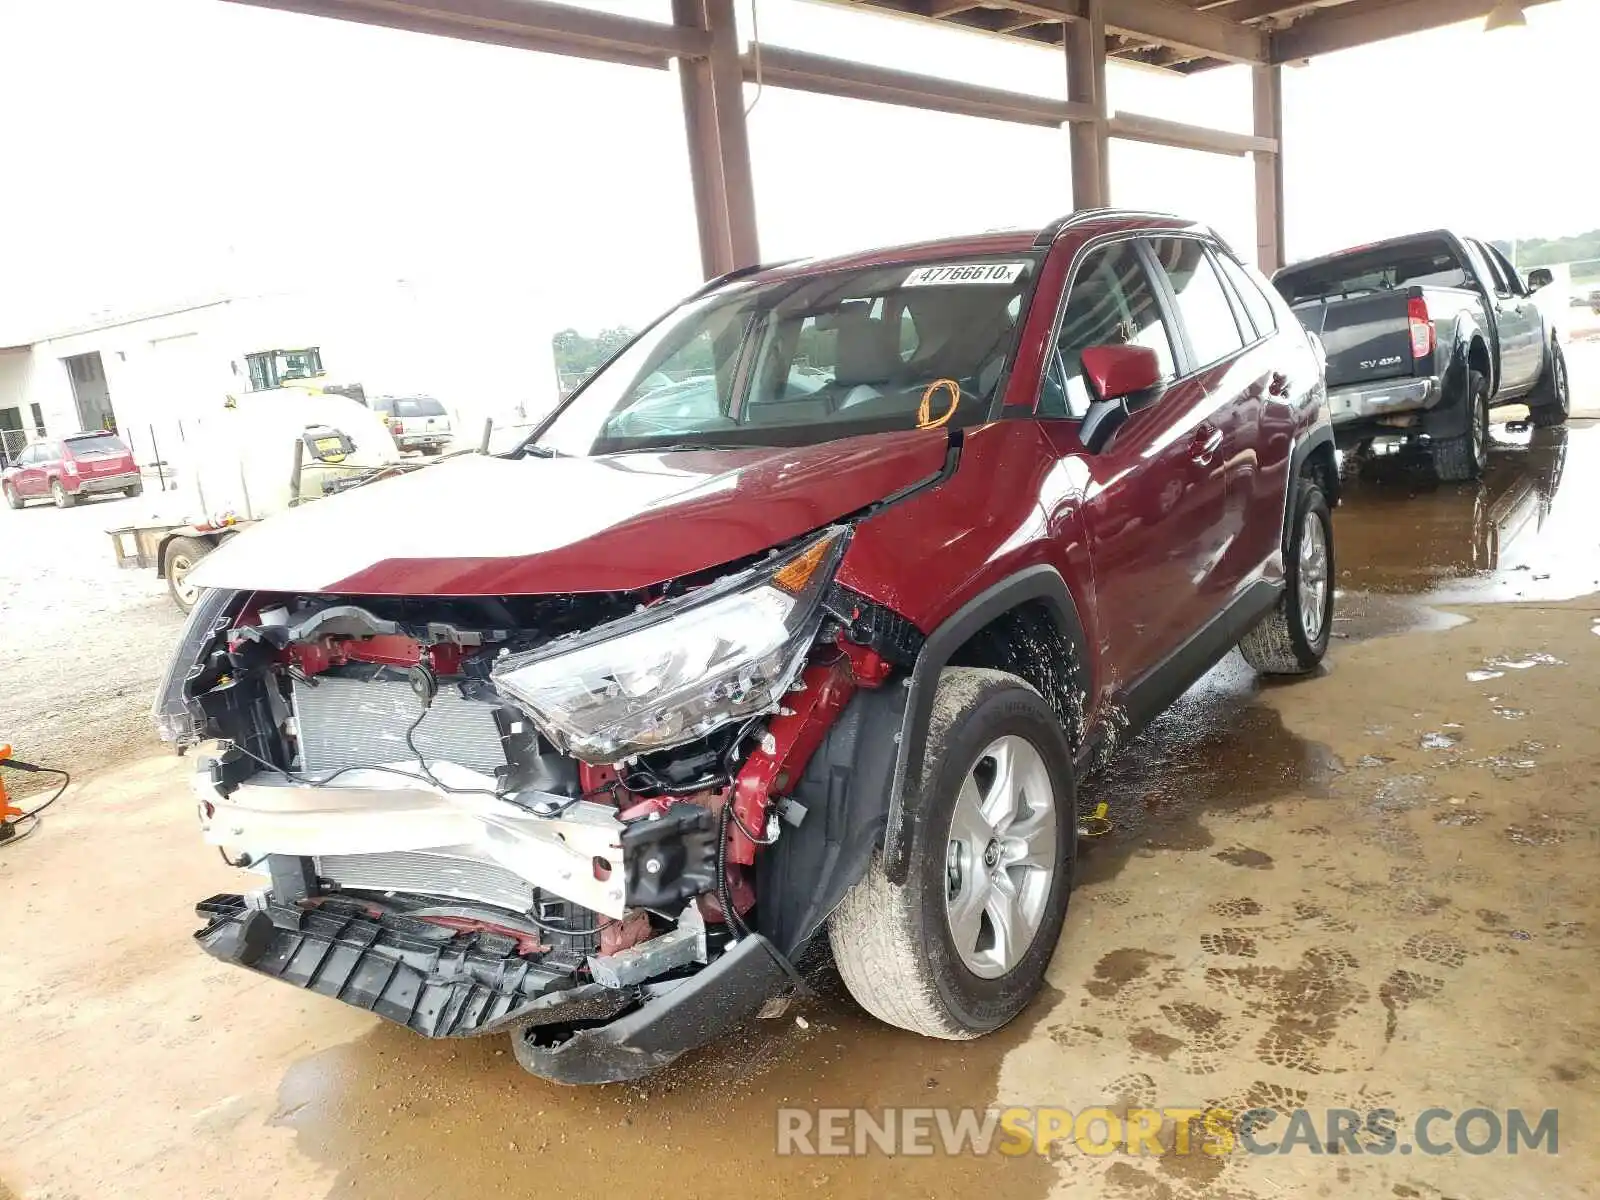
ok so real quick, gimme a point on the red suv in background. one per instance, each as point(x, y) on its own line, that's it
point(69, 468)
point(803, 617)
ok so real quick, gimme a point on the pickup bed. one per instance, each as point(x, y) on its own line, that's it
point(1423, 335)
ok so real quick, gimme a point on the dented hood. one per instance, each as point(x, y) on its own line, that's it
point(479, 526)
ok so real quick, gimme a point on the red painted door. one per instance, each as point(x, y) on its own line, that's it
point(1228, 427)
point(1154, 487)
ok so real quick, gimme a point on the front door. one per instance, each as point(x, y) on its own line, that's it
point(1138, 493)
point(1519, 324)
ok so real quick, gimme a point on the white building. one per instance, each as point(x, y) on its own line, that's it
point(153, 376)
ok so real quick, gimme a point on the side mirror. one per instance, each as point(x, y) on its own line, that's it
point(1124, 379)
point(1540, 277)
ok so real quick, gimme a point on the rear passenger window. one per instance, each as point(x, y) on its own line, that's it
point(1202, 303)
point(1255, 301)
point(1112, 303)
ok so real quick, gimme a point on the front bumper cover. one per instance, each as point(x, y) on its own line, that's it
point(442, 984)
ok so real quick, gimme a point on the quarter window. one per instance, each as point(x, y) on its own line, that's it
point(1112, 303)
point(1202, 303)
point(1255, 302)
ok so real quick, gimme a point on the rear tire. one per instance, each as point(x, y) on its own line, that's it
point(12, 499)
point(1551, 402)
point(1463, 459)
point(1293, 638)
point(896, 944)
point(181, 558)
point(136, 490)
point(62, 497)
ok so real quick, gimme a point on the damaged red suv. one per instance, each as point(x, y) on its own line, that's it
point(803, 618)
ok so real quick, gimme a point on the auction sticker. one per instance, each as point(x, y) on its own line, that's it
point(1000, 273)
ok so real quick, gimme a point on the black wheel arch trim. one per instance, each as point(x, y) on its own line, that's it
point(1451, 417)
point(1040, 582)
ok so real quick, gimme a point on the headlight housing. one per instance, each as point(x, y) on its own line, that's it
point(681, 668)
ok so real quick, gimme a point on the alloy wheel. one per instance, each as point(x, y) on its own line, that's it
point(1313, 577)
point(1000, 858)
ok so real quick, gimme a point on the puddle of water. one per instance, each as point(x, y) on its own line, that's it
point(402, 1118)
point(1216, 750)
point(1524, 532)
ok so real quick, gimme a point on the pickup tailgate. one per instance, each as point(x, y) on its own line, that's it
point(1367, 338)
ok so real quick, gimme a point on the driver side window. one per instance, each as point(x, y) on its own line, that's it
point(1112, 303)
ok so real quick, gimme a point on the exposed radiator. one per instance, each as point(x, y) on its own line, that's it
point(430, 873)
point(358, 723)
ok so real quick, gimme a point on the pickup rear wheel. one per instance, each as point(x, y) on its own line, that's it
point(182, 555)
point(1293, 637)
point(1464, 458)
point(961, 946)
point(1551, 401)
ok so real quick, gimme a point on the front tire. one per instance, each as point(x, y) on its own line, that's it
point(1551, 402)
point(961, 946)
point(1293, 638)
point(12, 499)
point(62, 497)
point(1464, 458)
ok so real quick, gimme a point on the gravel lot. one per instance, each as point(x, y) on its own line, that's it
point(82, 643)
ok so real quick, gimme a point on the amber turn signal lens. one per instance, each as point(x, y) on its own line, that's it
point(793, 576)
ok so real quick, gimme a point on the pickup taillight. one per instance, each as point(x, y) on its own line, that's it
point(1421, 327)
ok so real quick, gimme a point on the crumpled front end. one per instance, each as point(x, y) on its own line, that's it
point(541, 814)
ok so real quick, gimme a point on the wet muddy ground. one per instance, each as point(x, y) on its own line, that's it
point(1369, 889)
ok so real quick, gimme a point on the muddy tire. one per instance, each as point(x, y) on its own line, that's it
point(1463, 459)
point(62, 497)
point(181, 557)
point(992, 868)
point(136, 490)
point(1294, 636)
point(1551, 402)
point(12, 499)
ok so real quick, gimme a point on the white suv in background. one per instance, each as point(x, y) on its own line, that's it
point(417, 422)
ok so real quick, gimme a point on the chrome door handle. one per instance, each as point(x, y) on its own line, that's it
point(1203, 449)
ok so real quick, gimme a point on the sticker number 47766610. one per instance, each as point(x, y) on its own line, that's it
point(965, 273)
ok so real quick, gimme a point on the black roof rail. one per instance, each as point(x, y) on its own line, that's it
point(1050, 232)
point(712, 285)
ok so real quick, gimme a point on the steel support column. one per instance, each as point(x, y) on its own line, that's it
point(719, 147)
point(1086, 84)
point(1268, 89)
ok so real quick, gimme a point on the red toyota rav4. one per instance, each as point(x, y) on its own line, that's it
point(804, 616)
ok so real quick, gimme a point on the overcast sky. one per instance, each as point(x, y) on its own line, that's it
point(164, 150)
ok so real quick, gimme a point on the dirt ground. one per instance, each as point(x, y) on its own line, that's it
point(82, 643)
point(1369, 889)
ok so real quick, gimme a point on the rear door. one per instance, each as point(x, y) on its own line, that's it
point(1520, 325)
point(1220, 459)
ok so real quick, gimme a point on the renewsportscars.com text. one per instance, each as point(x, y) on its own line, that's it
point(1213, 1131)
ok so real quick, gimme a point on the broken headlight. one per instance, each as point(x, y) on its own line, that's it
point(681, 668)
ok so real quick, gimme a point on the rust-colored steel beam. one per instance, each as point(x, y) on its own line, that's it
point(1086, 86)
point(857, 81)
point(1363, 21)
point(521, 24)
point(719, 145)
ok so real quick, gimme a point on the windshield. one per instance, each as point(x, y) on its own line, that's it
point(93, 445)
point(809, 360)
point(421, 406)
point(1428, 263)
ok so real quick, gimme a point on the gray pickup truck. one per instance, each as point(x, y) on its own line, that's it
point(1424, 334)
